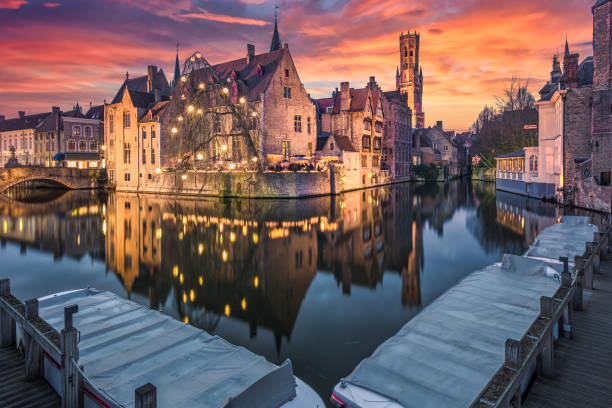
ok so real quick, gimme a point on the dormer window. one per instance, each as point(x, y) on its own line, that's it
point(286, 73)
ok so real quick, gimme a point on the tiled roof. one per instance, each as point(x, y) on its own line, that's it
point(585, 72)
point(246, 73)
point(75, 113)
point(50, 123)
point(28, 122)
point(155, 111)
point(359, 98)
point(139, 84)
point(518, 153)
point(600, 3)
point(344, 143)
point(323, 104)
point(141, 99)
point(95, 112)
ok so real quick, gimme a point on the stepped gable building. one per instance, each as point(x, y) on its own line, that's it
point(409, 75)
point(17, 134)
point(127, 146)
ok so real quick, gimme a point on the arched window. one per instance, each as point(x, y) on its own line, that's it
point(76, 130)
point(111, 123)
point(87, 131)
point(405, 52)
point(126, 119)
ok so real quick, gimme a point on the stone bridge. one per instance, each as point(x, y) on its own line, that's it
point(70, 178)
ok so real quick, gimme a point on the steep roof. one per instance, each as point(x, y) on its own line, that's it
point(518, 153)
point(275, 44)
point(155, 111)
point(27, 122)
point(141, 99)
point(95, 112)
point(600, 3)
point(50, 123)
point(359, 99)
point(323, 104)
point(246, 73)
point(344, 143)
point(585, 72)
point(139, 84)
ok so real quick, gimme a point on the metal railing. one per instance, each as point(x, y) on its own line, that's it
point(536, 349)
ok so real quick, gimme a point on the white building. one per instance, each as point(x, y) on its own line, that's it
point(18, 134)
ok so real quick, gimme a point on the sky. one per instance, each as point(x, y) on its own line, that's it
point(53, 53)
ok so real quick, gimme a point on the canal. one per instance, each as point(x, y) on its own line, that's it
point(320, 281)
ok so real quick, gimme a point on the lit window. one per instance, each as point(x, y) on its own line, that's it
point(126, 119)
point(82, 145)
point(76, 130)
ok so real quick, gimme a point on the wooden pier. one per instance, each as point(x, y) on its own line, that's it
point(16, 391)
point(583, 364)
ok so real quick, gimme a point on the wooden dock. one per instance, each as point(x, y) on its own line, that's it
point(15, 391)
point(584, 363)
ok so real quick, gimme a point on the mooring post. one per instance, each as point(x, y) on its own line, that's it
point(578, 286)
point(146, 396)
point(588, 269)
point(33, 351)
point(513, 354)
point(72, 394)
point(7, 324)
point(547, 358)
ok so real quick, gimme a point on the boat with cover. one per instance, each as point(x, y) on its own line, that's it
point(447, 354)
point(124, 345)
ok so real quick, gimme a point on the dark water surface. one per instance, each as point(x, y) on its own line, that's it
point(320, 281)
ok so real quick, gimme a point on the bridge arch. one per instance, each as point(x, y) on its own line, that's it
point(69, 178)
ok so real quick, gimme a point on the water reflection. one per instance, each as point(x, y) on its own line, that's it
point(322, 281)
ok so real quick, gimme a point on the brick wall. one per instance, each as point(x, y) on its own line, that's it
point(577, 128)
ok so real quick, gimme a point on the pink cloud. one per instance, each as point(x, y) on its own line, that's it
point(206, 15)
point(51, 5)
point(12, 4)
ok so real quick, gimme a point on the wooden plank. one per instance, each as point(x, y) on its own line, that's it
point(33, 351)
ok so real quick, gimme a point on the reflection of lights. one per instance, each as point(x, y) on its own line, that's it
point(220, 227)
point(245, 230)
point(224, 147)
point(174, 130)
point(184, 297)
point(201, 281)
point(256, 282)
point(224, 255)
point(175, 271)
point(180, 236)
point(243, 304)
point(232, 237)
point(78, 238)
point(5, 227)
point(104, 227)
point(184, 220)
point(192, 295)
point(200, 157)
point(158, 233)
point(21, 225)
point(227, 310)
point(181, 278)
point(255, 238)
point(200, 249)
point(186, 320)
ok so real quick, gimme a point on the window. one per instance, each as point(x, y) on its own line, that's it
point(236, 149)
point(309, 148)
point(286, 150)
point(367, 124)
point(378, 127)
point(126, 153)
point(126, 119)
point(605, 178)
point(374, 161)
point(405, 52)
point(76, 130)
point(365, 143)
point(93, 145)
point(82, 146)
point(152, 132)
point(144, 133)
point(405, 65)
point(152, 156)
point(287, 93)
point(71, 146)
point(126, 177)
point(308, 124)
point(144, 156)
point(377, 142)
point(533, 163)
point(112, 175)
point(297, 123)
point(87, 131)
point(445, 147)
point(111, 124)
point(331, 146)
point(286, 73)
point(364, 160)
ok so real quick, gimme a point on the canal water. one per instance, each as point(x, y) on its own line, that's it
point(320, 281)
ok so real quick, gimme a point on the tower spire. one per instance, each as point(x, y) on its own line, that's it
point(177, 68)
point(567, 51)
point(276, 42)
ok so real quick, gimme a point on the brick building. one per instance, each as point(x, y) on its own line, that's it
point(409, 75)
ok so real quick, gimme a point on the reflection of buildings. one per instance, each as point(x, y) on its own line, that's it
point(68, 226)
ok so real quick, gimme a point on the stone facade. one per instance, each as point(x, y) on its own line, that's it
point(397, 141)
point(18, 134)
point(577, 128)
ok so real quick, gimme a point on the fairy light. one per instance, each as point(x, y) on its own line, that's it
point(174, 130)
point(254, 159)
point(180, 118)
point(200, 111)
point(183, 78)
point(190, 108)
point(200, 157)
point(224, 147)
point(184, 177)
point(192, 295)
point(232, 166)
point(224, 255)
point(157, 170)
point(242, 99)
point(225, 90)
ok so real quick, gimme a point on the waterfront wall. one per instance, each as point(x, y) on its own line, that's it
point(535, 190)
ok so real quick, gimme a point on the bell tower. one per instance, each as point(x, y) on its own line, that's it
point(410, 78)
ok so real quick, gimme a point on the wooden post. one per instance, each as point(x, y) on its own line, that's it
point(546, 307)
point(146, 396)
point(578, 287)
point(588, 273)
point(72, 394)
point(547, 357)
point(33, 351)
point(594, 249)
point(7, 324)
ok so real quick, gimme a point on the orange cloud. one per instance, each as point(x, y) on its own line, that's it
point(205, 15)
point(12, 4)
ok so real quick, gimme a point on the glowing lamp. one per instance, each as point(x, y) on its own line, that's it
point(192, 59)
point(200, 157)
point(242, 99)
point(184, 177)
point(254, 159)
point(157, 170)
point(224, 148)
point(190, 108)
point(174, 130)
point(200, 249)
point(202, 86)
point(180, 118)
point(183, 78)
point(254, 114)
point(232, 166)
point(200, 111)
point(225, 90)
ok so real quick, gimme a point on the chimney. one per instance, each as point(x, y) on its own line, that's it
point(21, 114)
point(570, 68)
point(345, 96)
point(2, 117)
point(372, 80)
point(439, 124)
point(55, 109)
point(151, 78)
point(250, 53)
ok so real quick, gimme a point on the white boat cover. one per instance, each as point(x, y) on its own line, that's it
point(447, 354)
point(568, 238)
point(125, 345)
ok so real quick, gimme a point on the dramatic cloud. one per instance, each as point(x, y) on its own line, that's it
point(469, 49)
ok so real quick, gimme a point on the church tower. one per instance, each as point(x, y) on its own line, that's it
point(409, 79)
point(602, 90)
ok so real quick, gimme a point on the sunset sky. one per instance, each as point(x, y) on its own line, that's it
point(59, 51)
